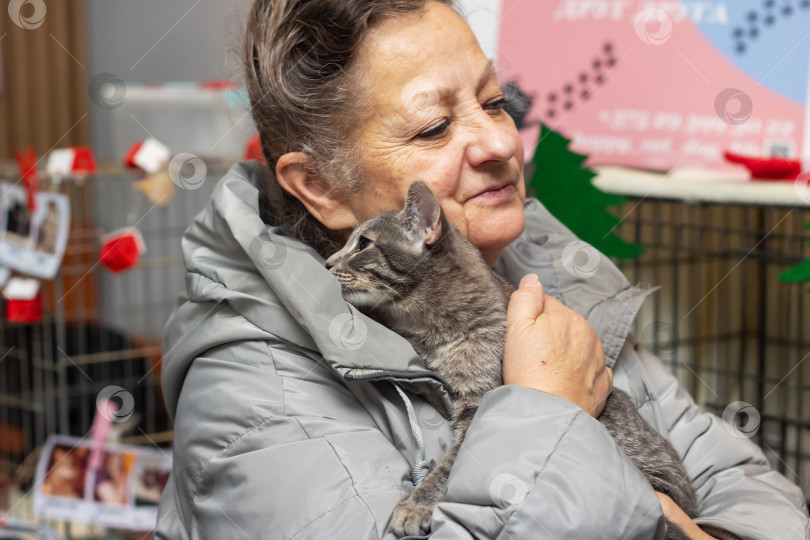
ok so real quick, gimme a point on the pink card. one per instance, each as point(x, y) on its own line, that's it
point(663, 84)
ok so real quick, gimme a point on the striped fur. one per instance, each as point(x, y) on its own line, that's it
point(417, 274)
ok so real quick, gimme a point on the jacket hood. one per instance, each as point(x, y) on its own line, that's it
point(245, 280)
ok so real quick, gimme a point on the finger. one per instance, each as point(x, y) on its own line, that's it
point(599, 407)
point(604, 378)
point(606, 382)
point(530, 280)
point(527, 302)
point(552, 305)
point(664, 499)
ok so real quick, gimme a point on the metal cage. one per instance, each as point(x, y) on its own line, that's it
point(99, 329)
point(736, 336)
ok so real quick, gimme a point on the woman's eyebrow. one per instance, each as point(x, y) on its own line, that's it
point(485, 77)
point(446, 93)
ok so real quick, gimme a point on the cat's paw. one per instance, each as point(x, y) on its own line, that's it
point(411, 518)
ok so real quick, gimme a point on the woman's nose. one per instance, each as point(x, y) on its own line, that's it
point(493, 139)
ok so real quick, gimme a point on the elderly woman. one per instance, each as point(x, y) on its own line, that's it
point(296, 416)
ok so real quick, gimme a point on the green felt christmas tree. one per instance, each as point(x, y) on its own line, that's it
point(800, 272)
point(563, 184)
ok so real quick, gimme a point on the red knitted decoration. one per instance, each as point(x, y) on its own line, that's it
point(120, 252)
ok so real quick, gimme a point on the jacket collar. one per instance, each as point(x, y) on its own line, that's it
point(282, 288)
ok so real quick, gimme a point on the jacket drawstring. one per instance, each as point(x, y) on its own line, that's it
point(420, 469)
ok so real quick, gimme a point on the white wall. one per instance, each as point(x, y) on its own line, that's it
point(483, 16)
point(154, 41)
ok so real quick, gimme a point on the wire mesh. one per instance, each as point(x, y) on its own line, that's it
point(98, 329)
point(730, 329)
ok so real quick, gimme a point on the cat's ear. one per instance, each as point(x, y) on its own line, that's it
point(424, 213)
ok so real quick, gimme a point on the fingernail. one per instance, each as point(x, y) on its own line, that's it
point(530, 280)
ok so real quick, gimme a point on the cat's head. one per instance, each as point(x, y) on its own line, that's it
point(389, 255)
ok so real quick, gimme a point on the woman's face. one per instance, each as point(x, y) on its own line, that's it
point(436, 115)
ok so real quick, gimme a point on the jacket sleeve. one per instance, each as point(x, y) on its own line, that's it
point(268, 443)
point(558, 474)
point(533, 465)
point(737, 490)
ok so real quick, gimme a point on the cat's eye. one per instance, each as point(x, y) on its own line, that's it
point(362, 243)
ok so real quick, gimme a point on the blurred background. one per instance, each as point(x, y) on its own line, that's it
point(683, 126)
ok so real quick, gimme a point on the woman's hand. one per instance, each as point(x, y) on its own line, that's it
point(551, 348)
point(677, 516)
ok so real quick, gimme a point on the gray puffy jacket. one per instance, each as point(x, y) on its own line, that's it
point(298, 417)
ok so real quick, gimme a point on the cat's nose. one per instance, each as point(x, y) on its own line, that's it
point(331, 262)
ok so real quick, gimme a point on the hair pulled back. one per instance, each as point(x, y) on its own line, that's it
point(304, 95)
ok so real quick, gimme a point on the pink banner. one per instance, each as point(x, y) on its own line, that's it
point(662, 84)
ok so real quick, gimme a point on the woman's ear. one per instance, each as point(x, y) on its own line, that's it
point(296, 175)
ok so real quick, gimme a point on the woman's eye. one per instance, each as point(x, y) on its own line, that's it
point(362, 244)
point(496, 104)
point(434, 131)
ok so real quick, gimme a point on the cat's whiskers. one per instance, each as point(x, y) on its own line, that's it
point(391, 296)
point(386, 296)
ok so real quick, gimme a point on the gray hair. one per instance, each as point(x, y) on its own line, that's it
point(304, 94)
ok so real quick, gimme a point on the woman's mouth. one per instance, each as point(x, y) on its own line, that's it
point(495, 194)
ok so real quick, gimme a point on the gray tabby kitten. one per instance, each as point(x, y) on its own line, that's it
point(425, 281)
